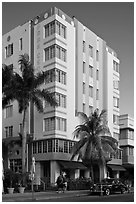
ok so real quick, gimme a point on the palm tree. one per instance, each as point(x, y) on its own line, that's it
point(25, 88)
point(95, 143)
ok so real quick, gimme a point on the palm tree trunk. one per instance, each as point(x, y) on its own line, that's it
point(92, 173)
point(24, 142)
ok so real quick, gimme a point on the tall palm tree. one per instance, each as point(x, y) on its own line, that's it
point(95, 143)
point(25, 88)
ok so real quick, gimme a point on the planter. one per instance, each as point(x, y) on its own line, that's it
point(21, 189)
point(10, 190)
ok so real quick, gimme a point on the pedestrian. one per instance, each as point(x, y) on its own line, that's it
point(64, 182)
point(60, 183)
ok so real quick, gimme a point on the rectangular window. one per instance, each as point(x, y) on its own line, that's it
point(83, 88)
point(90, 71)
point(20, 44)
point(34, 147)
point(97, 55)
point(115, 119)
point(45, 146)
point(97, 94)
point(83, 46)
point(115, 66)
point(90, 109)
point(8, 111)
point(83, 67)
point(131, 151)
point(54, 123)
point(65, 146)
point(90, 51)
point(97, 74)
point(9, 131)
point(90, 91)
point(9, 50)
point(57, 145)
point(61, 100)
point(55, 51)
point(60, 145)
point(116, 102)
point(116, 84)
point(39, 147)
point(83, 107)
point(55, 27)
point(49, 145)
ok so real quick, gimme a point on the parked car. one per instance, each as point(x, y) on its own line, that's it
point(109, 186)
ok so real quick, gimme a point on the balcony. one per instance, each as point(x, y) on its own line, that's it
point(128, 159)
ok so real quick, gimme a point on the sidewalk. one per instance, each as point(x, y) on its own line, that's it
point(37, 196)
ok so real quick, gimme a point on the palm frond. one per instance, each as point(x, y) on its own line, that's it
point(47, 96)
point(38, 103)
point(78, 129)
point(76, 148)
point(82, 116)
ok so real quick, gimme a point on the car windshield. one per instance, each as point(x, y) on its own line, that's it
point(108, 181)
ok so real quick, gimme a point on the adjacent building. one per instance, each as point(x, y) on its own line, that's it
point(126, 142)
point(83, 74)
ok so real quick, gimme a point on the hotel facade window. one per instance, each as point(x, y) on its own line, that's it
point(9, 50)
point(55, 27)
point(54, 123)
point(83, 46)
point(115, 66)
point(90, 51)
point(20, 44)
point(90, 91)
point(90, 71)
point(116, 102)
point(83, 107)
point(83, 88)
point(116, 84)
point(97, 55)
point(90, 109)
point(61, 99)
point(55, 75)
point(115, 119)
point(97, 74)
point(55, 51)
point(97, 94)
point(83, 67)
point(9, 131)
point(8, 111)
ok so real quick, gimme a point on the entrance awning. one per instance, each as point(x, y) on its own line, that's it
point(116, 167)
point(72, 165)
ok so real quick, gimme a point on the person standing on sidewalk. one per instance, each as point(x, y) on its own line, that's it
point(60, 183)
point(64, 182)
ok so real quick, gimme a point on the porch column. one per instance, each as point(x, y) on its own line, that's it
point(103, 172)
point(116, 174)
point(54, 171)
point(87, 173)
point(37, 173)
point(77, 173)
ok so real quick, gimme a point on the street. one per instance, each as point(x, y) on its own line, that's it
point(95, 198)
point(68, 196)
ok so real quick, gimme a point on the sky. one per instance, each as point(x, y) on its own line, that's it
point(111, 21)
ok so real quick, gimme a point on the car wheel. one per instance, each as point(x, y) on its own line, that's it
point(107, 192)
point(123, 190)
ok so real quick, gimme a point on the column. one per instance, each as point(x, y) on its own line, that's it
point(77, 172)
point(103, 172)
point(37, 173)
point(87, 173)
point(54, 171)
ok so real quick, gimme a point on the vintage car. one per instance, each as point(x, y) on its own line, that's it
point(109, 186)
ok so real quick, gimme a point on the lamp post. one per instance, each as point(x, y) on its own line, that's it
point(32, 174)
